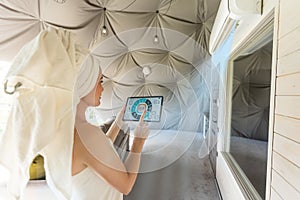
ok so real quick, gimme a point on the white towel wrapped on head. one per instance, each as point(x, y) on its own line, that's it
point(88, 76)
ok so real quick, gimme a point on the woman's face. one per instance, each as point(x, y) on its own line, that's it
point(93, 98)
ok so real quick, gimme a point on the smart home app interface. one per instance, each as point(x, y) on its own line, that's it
point(136, 105)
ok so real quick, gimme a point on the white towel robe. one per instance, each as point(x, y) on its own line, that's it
point(41, 120)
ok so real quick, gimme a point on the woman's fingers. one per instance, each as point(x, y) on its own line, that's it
point(121, 112)
point(142, 116)
point(142, 130)
point(123, 109)
point(119, 118)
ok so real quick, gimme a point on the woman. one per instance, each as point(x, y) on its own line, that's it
point(98, 172)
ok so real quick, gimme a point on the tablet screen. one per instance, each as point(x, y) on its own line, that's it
point(136, 105)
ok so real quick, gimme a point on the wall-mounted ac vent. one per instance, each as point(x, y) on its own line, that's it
point(230, 11)
point(239, 8)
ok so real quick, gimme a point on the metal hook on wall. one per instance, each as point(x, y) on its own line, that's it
point(19, 84)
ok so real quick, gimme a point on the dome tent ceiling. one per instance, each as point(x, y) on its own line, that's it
point(128, 46)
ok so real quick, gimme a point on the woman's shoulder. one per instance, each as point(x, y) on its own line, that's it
point(94, 141)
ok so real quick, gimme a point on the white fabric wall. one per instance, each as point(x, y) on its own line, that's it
point(183, 30)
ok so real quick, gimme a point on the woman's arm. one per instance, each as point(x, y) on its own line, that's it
point(113, 131)
point(116, 126)
point(121, 176)
point(108, 164)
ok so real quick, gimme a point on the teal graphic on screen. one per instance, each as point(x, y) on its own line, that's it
point(136, 105)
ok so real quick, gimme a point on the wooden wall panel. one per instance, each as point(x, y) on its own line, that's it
point(288, 170)
point(283, 188)
point(288, 13)
point(287, 148)
point(289, 43)
point(288, 127)
point(275, 195)
point(288, 85)
point(289, 64)
point(288, 106)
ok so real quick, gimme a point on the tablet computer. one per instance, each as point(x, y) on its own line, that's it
point(136, 105)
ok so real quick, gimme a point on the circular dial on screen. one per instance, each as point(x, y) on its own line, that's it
point(139, 106)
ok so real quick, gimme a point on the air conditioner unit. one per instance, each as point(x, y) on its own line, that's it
point(229, 12)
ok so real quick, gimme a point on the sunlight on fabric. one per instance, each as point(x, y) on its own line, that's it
point(4, 173)
point(4, 106)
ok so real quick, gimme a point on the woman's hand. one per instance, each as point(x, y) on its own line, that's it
point(142, 130)
point(119, 120)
